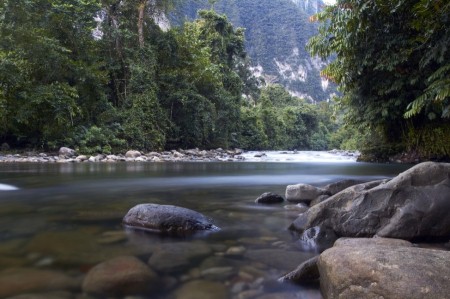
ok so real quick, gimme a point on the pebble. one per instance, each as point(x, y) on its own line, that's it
point(235, 251)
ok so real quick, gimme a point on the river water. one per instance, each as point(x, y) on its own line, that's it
point(66, 218)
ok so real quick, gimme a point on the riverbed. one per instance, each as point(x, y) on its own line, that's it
point(66, 218)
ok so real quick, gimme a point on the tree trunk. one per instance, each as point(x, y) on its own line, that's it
point(141, 10)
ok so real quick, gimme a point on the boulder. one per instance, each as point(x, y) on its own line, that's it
point(303, 193)
point(358, 242)
point(306, 271)
point(415, 204)
point(354, 272)
point(123, 275)
point(316, 239)
point(66, 152)
point(337, 187)
point(269, 198)
point(167, 219)
point(309, 271)
point(133, 154)
point(319, 199)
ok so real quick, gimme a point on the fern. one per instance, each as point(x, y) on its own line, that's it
point(438, 92)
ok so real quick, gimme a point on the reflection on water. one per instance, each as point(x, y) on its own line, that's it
point(66, 218)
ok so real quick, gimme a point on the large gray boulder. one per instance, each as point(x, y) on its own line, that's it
point(389, 272)
point(338, 186)
point(167, 219)
point(414, 204)
point(308, 270)
point(303, 192)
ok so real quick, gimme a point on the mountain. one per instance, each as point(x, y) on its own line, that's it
point(276, 33)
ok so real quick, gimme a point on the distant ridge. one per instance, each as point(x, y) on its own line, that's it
point(276, 34)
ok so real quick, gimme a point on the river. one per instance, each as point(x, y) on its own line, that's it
point(67, 218)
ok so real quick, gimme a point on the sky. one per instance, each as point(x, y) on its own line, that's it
point(329, 1)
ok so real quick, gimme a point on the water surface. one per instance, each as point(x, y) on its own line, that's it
point(67, 218)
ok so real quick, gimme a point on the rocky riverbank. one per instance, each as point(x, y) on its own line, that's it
point(67, 155)
point(413, 206)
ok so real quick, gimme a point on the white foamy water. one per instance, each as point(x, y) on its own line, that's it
point(298, 156)
point(4, 187)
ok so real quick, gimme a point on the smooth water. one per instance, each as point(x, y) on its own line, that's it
point(67, 218)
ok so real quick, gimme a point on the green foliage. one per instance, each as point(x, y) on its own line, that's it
point(392, 61)
point(132, 85)
point(98, 140)
point(430, 141)
point(281, 121)
point(45, 49)
point(201, 85)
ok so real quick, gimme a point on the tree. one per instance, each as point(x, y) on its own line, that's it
point(47, 70)
point(392, 61)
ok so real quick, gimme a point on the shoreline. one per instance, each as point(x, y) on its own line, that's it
point(66, 155)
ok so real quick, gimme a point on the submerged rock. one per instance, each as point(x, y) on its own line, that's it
point(124, 275)
point(354, 272)
point(27, 280)
point(269, 198)
point(414, 204)
point(173, 257)
point(201, 289)
point(167, 219)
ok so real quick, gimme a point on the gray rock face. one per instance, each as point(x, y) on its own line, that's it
point(124, 275)
point(167, 219)
point(303, 193)
point(308, 270)
point(269, 198)
point(414, 204)
point(358, 242)
point(384, 272)
point(337, 187)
